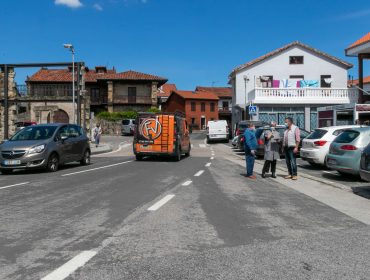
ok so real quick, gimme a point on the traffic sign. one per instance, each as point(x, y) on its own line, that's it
point(252, 110)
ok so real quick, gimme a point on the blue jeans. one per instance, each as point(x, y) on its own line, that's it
point(291, 161)
point(249, 158)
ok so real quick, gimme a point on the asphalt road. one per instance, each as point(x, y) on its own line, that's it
point(199, 218)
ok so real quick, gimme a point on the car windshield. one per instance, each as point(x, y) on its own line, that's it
point(317, 134)
point(126, 122)
point(34, 133)
point(347, 136)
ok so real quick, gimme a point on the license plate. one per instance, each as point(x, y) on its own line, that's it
point(11, 162)
point(332, 161)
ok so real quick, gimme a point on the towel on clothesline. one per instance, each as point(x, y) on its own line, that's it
point(310, 83)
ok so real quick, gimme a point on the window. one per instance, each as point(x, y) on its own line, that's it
point(203, 107)
point(347, 136)
point(193, 106)
point(212, 107)
point(266, 81)
point(225, 105)
point(192, 120)
point(297, 77)
point(132, 94)
point(317, 134)
point(74, 131)
point(95, 94)
point(295, 59)
point(325, 81)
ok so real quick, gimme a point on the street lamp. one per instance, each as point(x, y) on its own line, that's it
point(246, 80)
point(72, 49)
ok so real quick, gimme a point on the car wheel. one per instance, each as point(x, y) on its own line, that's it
point(86, 160)
point(313, 164)
point(187, 154)
point(139, 158)
point(53, 163)
point(7, 171)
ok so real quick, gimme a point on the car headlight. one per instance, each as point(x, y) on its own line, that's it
point(37, 149)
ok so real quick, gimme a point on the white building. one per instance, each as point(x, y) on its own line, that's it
point(291, 81)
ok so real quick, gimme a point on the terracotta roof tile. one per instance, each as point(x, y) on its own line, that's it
point(282, 49)
point(360, 41)
point(219, 91)
point(355, 82)
point(188, 94)
point(166, 90)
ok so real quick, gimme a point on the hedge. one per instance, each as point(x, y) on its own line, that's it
point(116, 116)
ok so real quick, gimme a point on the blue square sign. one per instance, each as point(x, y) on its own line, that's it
point(252, 110)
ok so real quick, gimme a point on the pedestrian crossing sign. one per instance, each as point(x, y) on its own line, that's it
point(252, 110)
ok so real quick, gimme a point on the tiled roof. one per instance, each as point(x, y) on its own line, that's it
point(204, 95)
point(355, 82)
point(360, 41)
point(284, 48)
point(64, 75)
point(166, 89)
point(219, 91)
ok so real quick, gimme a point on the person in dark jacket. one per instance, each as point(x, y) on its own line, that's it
point(250, 146)
point(272, 150)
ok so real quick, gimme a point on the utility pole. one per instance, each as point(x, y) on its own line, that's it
point(72, 49)
point(246, 79)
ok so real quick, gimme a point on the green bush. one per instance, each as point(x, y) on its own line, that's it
point(116, 116)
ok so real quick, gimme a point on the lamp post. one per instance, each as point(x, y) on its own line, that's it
point(246, 79)
point(72, 49)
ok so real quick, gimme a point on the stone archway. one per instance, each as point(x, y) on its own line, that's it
point(60, 116)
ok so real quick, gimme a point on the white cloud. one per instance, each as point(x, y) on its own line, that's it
point(351, 15)
point(69, 3)
point(98, 7)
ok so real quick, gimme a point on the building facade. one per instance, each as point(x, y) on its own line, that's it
point(291, 81)
point(199, 106)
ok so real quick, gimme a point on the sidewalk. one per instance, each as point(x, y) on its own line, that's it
point(101, 149)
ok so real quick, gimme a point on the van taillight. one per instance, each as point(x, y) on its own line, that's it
point(260, 142)
point(320, 143)
point(348, 148)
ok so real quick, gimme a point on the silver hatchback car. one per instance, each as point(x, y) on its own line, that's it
point(345, 151)
point(44, 146)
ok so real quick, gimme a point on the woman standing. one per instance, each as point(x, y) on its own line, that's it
point(272, 148)
point(97, 134)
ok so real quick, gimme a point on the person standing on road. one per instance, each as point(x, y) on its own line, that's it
point(272, 149)
point(250, 146)
point(97, 134)
point(291, 142)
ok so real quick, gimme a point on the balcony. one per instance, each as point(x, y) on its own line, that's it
point(224, 110)
point(305, 96)
point(147, 100)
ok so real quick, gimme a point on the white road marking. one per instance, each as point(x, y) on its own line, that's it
point(120, 147)
point(199, 173)
point(208, 164)
point(202, 145)
point(97, 168)
point(71, 266)
point(212, 158)
point(187, 183)
point(160, 203)
point(15, 185)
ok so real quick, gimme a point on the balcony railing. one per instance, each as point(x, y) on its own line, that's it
point(305, 95)
point(224, 110)
point(132, 100)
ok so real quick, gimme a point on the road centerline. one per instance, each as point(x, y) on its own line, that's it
point(161, 202)
point(208, 164)
point(97, 168)
point(200, 172)
point(187, 183)
point(71, 266)
point(14, 185)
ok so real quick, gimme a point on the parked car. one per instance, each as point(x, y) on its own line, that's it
point(315, 147)
point(44, 146)
point(241, 127)
point(345, 151)
point(365, 164)
point(161, 134)
point(217, 131)
point(128, 127)
point(21, 125)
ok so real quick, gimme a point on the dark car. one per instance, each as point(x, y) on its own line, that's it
point(260, 132)
point(45, 146)
point(365, 164)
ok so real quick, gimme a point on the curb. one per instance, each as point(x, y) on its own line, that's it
point(310, 177)
point(106, 149)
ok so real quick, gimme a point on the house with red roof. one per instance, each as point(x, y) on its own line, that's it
point(199, 106)
point(102, 90)
point(164, 92)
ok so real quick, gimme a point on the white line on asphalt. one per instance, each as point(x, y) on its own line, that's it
point(15, 185)
point(120, 147)
point(199, 173)
point(71, 266)
point(187, 183)
point(208, 164)
point(160, 203)
point(97, 168)
point(202, 145)
point(212, 158)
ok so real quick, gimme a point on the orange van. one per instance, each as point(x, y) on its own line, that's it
point(161, 134)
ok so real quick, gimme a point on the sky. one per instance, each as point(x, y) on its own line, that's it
point(190, 42)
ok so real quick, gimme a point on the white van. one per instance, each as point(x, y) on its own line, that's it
point(217, 131)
